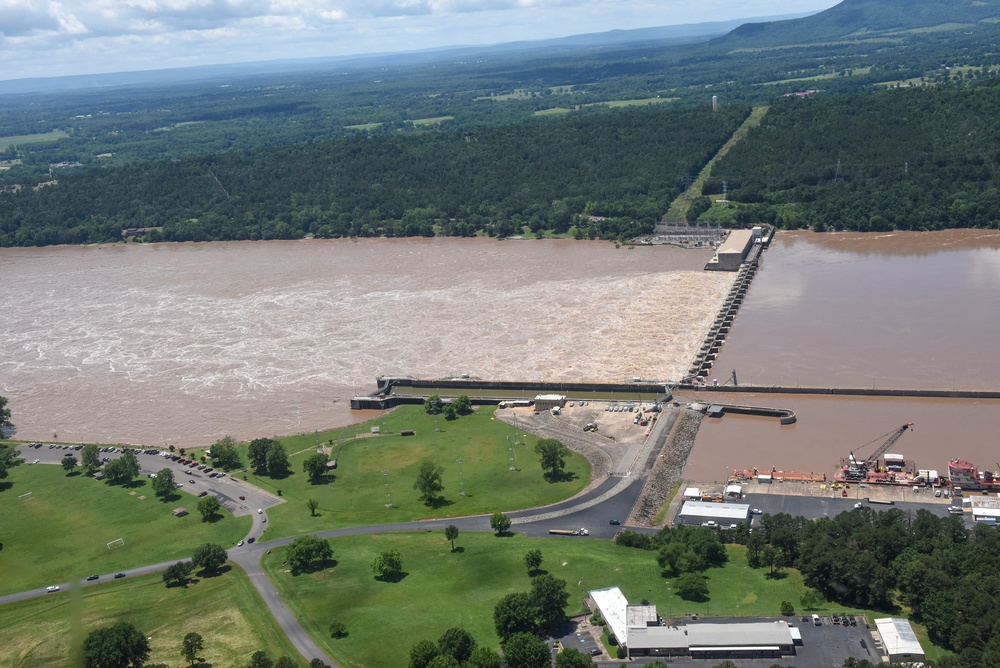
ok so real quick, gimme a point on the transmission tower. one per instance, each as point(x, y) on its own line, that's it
point(836, 177)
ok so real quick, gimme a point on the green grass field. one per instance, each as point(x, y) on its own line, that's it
point(356, 494)
point(61, 532)
point(17, 140)
point(444, 589)
point(225, 610)
point(431, 121)
point(364, 126)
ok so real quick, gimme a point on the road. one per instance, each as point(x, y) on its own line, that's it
point(594, 510)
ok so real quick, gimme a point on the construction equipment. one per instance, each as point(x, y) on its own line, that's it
point(858, 470)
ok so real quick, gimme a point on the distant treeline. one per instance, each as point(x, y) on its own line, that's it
point(908, 159)
point(623, 167)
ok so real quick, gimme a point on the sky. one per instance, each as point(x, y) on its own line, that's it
point(40, 38)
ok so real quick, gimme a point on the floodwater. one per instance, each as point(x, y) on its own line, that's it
point(184, 343)
point(904, 310)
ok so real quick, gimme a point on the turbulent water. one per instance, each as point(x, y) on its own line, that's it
point(183, 343)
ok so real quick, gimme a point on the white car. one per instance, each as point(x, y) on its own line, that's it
point(260, 511)
point(756, 511)
point(239, 544)
point(52, 588)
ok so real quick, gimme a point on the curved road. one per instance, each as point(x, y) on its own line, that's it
point(611, 500)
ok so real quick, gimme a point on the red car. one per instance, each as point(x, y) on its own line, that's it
point(243, 498)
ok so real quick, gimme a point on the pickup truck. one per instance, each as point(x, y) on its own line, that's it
point(569, 532)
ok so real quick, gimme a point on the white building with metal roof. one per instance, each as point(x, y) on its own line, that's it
point(722, 514)
point(898, 640)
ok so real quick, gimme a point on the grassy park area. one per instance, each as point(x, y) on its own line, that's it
point(355, 494)
point(61, 531)
point(442, 589)
point(225, 610)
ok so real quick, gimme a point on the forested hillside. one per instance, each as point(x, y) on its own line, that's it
point(862, 19)
point(923, 158)
point(626, 166)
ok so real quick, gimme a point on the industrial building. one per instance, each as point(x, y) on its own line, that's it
point(545, 402)
point(733, 251)
point(713, 514)
point(898, 640)
point(639, 629)
point(985, 509)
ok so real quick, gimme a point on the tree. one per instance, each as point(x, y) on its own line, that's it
point(315, 467)
point(338, 629)
point(433, 405)
point(209, 507)
point(810, 600)
point(500, 523)
point(526, 650)
point(691, 587)
point(226, 453)
point(550, 597)
point(260, 659)
point(210, 557)
point(163, 483)
point(130, 464)
point(176, 575)
point(4, 414)
point(462, 404)
point(312, 505)
point(308, 553)
point(284, 662)
point(90, 458)
point(484, 657)
point(118, 646)
point(388, 566)
point(118, 471)
point(552, 455)
point(68, 463)
point(443, 661)
point(533, 560)
point(277, 461)
point(571, 657)
point(428, 481)
point(451, 533)
point(257, 453)
point(515, 613)
point(787, 608)
point(771, 558)
point(7, 456)
point(191, 646)
point(318, 663)
point(457, 643)
point(449, 412)
point(422, 654)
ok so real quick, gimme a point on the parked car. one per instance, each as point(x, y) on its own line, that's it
point(251, 539)
point(202, 493)
point(756, 511)
point(52, 588)
point(191, 481)
point(615, 522)
point(93, 577)
point(260, 511)
point(119, 576)
point(243, 498)
point(239, 544)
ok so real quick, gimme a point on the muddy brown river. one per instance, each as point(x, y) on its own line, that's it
point(904, 310)
point(184, 343)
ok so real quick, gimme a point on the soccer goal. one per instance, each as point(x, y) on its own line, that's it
point(24, 497)
point(117, 542)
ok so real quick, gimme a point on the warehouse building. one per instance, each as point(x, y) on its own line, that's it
point(899, 641)
point(640, 630)
point(985, 509)
point(707, 513)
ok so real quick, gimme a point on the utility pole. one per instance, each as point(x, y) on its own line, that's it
point(385, 479)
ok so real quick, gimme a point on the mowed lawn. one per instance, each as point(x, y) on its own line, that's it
point(61, 532)
point(444, 589)
point(225, 610)
point(355, 494)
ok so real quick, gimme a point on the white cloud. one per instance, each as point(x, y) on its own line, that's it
point(47, 38)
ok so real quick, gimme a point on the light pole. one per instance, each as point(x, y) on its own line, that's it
point(385, 479)
point(511, 459)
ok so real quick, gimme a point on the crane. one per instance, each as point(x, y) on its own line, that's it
point(859, 469)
